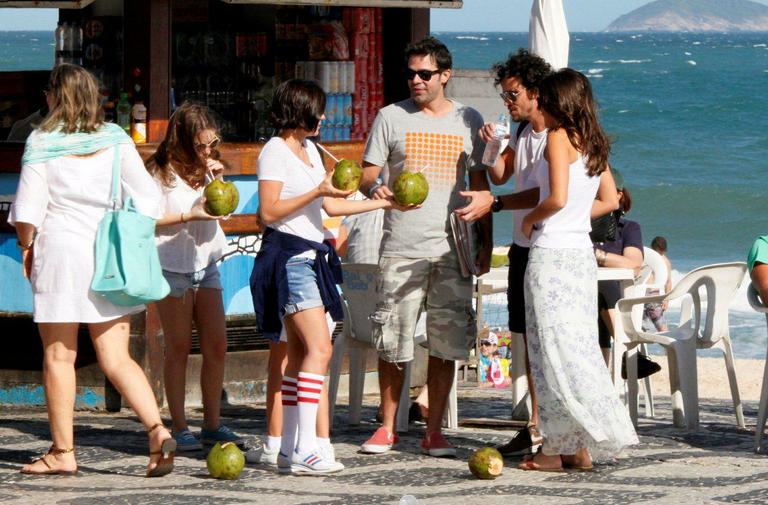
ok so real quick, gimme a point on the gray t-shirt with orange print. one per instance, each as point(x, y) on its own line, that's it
point(445, 149)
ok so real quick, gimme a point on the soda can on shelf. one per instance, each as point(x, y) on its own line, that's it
point(334, 76)
point(324, 75)
point(342, 86)
point(350, 76)
point(347, 108)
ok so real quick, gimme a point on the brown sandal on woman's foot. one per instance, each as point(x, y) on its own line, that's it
point(53, 451)
point(167, 451)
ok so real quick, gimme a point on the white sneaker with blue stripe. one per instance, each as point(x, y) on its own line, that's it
point(313, 463)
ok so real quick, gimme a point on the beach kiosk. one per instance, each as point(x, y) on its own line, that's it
point(228, 54)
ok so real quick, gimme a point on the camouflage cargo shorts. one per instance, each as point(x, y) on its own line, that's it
point(406, 287)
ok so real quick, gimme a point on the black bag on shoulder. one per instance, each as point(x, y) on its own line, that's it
point(604, 228)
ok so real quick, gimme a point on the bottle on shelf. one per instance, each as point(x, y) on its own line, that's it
point(139, 122)
point(123, 114)
point(493, 146)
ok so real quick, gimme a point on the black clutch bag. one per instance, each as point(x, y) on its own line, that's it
point(604, 228)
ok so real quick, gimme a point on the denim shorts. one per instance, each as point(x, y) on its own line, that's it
point(303, 292)
point(181, 282)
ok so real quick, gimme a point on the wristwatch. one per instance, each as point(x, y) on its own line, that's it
point(497, 204)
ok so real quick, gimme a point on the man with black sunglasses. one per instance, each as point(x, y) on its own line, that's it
point(419, 266)
point(519, 77)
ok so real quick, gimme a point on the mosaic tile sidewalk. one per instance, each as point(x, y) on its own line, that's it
point(715, 465)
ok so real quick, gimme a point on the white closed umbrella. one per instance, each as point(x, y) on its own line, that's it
point(548, 32)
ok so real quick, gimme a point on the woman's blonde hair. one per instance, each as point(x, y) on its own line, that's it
point(76, 106)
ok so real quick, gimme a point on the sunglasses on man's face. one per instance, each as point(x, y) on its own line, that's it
point(424, 75)
point(509, 96)
point(210, 145)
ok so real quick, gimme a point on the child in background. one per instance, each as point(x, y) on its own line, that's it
point(653, 313)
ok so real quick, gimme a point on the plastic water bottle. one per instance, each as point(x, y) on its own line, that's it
point(493, 146)
point(123, 110)
point(409, 499)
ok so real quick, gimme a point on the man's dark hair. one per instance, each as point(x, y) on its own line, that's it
point(659, 244)
point(528, 68)
point(297, 104)
point(430, 46)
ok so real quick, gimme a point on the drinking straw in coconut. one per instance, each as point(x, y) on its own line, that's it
point(326, 151)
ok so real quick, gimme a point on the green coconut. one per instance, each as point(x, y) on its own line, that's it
point(486, 463)
point(346, 175)
point(225, 461)
point(221, 198)
point(499, 257)
point(410, 188)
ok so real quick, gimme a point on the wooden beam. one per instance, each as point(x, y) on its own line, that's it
point(159, 108)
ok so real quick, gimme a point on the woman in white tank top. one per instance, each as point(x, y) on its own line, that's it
point(580, 413)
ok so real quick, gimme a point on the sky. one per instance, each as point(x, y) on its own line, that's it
point(475, 16)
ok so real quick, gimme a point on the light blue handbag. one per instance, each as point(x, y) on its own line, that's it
point(128, 270)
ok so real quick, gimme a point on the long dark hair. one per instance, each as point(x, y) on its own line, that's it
point(177, 152)
point(566, 95)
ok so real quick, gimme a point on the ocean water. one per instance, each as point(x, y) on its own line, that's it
point(688, 115)
point(31, 50)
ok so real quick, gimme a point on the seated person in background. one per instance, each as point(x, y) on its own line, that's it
point(757, 261)
point(653, 313)
point(626, 251)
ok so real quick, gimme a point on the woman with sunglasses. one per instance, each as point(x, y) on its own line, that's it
point(294, 277)
point(190, 241)
point(580, 414)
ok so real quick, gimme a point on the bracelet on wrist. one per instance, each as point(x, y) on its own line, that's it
point(373, 188)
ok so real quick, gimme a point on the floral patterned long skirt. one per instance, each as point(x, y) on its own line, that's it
point(579, 406)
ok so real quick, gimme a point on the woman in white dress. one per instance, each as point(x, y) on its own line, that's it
point(580, 413)
point(64, 191)
point(190, 242)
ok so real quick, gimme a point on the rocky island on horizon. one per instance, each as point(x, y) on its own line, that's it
point(694, 16)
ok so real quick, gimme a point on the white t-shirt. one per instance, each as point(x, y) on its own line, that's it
point(187, 247)
point(569, 228)
point(278, 163)
point(529, 148)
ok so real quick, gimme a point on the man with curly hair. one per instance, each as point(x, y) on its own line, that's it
point(518, 77)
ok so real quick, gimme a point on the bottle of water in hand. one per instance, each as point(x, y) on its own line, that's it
point(493, 146)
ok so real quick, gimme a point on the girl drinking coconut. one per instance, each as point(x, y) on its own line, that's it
point(295, 274)
point(190, 241)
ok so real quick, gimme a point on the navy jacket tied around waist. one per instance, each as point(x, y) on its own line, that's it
point(269, 282)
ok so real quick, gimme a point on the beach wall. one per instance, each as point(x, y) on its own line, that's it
point(475, 88)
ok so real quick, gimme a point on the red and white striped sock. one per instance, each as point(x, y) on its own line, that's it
point(290, 416)
point(309, 391)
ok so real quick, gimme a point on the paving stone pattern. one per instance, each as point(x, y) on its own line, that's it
point(715, 465)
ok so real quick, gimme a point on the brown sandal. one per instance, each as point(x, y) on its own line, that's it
point(167, 451)
point(53, 451)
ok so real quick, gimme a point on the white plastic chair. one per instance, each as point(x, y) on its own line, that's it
point(754, 300)
point(700, 327)
point(359, 294)
point(655, 264)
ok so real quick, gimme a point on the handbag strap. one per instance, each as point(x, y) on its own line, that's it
point(115, 176)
